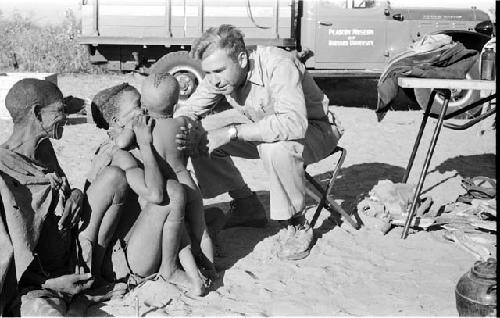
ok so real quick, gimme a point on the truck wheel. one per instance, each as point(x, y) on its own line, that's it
point(186, 70)
point(459, 98)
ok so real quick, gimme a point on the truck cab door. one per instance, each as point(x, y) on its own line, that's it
point(350, 34)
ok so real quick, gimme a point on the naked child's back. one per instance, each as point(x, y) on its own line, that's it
point(164, 131)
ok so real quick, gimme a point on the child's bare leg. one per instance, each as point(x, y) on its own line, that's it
point(188, 262)
point(144, 248)
point(101, 213)
point(154, 239)
point(173, 233)
point(195, 216)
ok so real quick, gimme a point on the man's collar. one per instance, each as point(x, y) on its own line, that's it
point(254, 69)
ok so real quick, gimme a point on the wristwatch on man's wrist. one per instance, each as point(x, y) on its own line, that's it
point(233, 132)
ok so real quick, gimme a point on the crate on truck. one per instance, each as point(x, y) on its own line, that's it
point(349, 38)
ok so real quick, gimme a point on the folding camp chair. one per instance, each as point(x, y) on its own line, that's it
point(443, 87)
point(325, 198)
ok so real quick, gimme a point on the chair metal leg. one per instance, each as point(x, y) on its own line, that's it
point(423, 173)
point(419, 136)
point(325, 200)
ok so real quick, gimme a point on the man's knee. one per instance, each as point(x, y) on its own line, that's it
point(279, 154)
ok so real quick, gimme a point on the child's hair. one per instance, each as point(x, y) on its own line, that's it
point(29, 92)
point(105, 105)
point(160, 93)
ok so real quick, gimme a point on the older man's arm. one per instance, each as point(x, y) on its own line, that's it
point(289, 121)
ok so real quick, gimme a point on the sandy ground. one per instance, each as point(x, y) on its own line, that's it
point(349, 272)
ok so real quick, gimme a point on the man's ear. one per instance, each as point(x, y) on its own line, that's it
point(37, 112)
point(243, 59)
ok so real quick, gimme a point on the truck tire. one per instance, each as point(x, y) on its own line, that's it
point(185, 69)
point(459, 98)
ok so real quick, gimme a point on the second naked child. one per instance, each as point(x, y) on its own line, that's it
point(159, 95)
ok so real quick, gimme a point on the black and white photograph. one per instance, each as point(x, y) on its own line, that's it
point(262, 158)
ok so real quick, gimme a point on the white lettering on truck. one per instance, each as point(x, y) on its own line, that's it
point(350, 37)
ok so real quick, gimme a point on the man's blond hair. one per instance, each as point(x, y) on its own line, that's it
point(225, 36)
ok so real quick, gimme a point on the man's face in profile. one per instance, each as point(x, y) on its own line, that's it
point(223, 72)
point(53, 119)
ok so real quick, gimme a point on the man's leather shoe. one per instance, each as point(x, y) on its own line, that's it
point(297, 244)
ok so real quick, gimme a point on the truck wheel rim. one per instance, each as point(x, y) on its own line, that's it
point(188, 79)
point(457, 96)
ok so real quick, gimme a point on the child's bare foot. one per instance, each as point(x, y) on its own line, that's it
point(194, 286)
point(199, 283)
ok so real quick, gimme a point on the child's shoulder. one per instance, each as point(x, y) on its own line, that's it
point(169, 124)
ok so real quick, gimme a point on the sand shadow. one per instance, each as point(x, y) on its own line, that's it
point(233, 244)
point(470, 166)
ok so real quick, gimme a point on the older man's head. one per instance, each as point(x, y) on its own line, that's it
point(38, 104)
point(30, 92)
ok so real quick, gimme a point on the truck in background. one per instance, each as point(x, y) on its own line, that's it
point(349, 38)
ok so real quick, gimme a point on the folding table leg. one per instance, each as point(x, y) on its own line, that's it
point(419, 136)
point(423, 173)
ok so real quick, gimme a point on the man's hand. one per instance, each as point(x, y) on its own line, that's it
point(196, 141)
point(143, 129)
point(72, 208)
point(70, 284)
point(192, 140)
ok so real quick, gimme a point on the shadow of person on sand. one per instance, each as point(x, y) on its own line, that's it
point(483, 165)
point(235, 243)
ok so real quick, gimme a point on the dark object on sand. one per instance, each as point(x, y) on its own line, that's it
point(476, 291)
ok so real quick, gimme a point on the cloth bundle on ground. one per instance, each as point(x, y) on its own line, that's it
point(434, 56)
point(387, 204)
point(26, 197)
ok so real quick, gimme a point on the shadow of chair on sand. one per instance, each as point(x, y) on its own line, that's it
point(352, 184)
